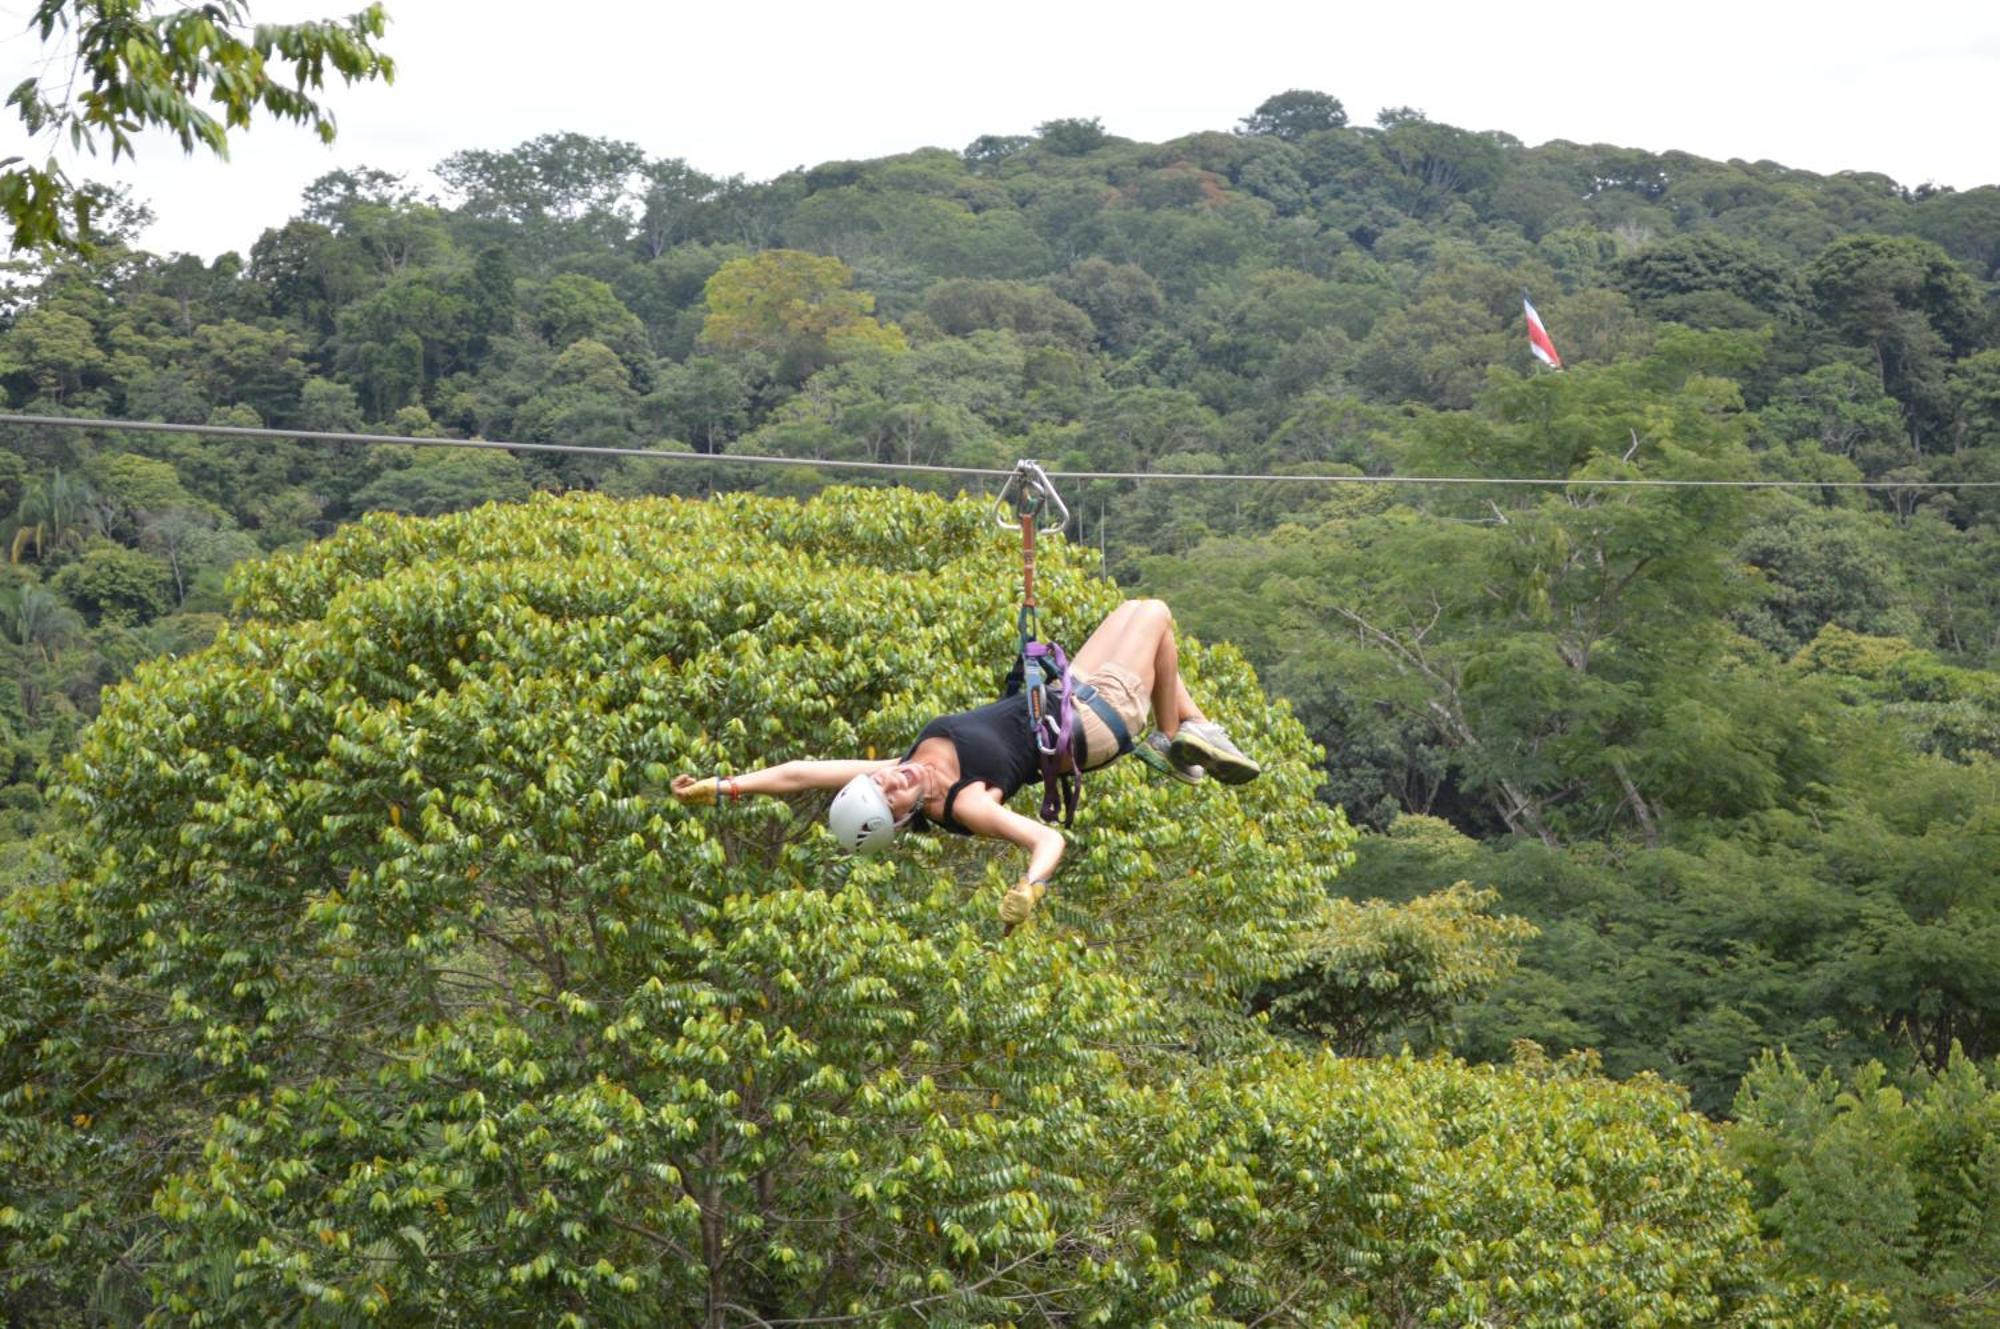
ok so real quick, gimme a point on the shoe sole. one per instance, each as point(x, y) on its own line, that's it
point(1228, 767)
point(1157, 761)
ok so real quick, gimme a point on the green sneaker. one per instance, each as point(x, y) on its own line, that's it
point(1203, 743)
point(1154, 750)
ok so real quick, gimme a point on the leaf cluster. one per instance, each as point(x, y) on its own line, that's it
point(143, 70)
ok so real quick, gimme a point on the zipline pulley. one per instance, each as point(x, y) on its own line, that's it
point(1036, 489)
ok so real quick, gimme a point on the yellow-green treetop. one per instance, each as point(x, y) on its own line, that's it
point(796, 307)
point(388, 981)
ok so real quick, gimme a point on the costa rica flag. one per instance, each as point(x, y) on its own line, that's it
point(1538, 336)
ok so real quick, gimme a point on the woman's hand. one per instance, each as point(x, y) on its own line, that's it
point(695, 793)
point(1020, 901)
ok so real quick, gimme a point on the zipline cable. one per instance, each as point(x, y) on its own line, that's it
point(491, 445)
point(576, 449)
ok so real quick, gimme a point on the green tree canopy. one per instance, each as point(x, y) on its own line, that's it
point(1292, 115)
point(1731, 754)
point(428, 1003)
point(1707, 279)
point(1908, 305)
point(1894, 1186)
point(1072, 137)
point(798, 308)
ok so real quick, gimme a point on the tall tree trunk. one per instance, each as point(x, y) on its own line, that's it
point(1647, 826)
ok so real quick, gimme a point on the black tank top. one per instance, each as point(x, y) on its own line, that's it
point(995, 746)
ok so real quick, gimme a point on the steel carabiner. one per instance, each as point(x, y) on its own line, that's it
point(1037, 491)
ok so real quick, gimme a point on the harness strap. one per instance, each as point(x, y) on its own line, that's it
point(1059, 798)
point(1090, 697)
point(1052, 697)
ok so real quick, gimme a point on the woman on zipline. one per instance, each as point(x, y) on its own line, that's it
point(964, 767)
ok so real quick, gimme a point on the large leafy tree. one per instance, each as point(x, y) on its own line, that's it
point(1292, 115)
point(1966, 224)
point(134, 69)
point(553, 195)
point(675, 195)
point(1536, 638)
point(1706, 279)
point(1909, 306)
point(54, 351)
point(401, 990)
point(798, 308)
point(1073, 136)
point(1890, 1185)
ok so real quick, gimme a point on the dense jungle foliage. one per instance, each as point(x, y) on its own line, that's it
point(1717, 764)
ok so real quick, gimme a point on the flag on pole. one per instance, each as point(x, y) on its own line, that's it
point(1538, 336)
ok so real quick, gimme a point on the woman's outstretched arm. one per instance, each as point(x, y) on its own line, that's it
point(984, 814)
point(789, 777)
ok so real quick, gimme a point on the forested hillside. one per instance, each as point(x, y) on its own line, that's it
point(1730, 752)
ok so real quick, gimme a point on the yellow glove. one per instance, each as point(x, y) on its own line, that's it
point(695, 793)
point(1020, 901)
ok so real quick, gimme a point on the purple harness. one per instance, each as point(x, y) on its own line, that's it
point(1044, 676)
point(1053, 696)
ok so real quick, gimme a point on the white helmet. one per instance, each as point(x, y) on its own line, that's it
point(860, 817)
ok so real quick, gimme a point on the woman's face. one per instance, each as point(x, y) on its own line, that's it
point(903, 786)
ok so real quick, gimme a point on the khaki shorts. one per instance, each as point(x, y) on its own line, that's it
point(1119, 687)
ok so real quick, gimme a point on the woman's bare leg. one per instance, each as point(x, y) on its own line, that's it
point(1139, 635)
point(1110, 639)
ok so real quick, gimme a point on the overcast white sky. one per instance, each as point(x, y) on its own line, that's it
point(1910, 89)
